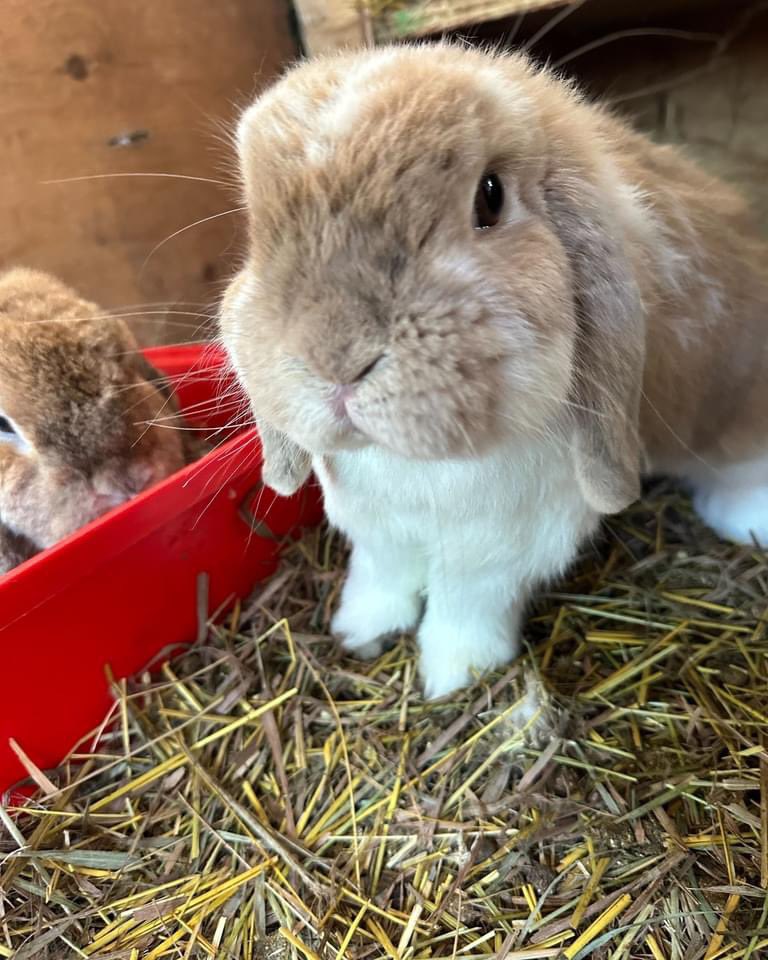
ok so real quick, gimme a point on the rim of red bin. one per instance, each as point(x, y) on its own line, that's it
point(124, 588)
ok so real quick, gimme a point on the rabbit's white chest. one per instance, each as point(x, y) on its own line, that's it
point(471, 537)
point(516, 507)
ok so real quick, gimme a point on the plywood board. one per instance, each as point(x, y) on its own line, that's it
point(100, 87)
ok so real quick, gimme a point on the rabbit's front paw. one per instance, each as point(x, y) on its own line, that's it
point(286, 474)
point(368, 614)
point(736, 513)
point(451, 657)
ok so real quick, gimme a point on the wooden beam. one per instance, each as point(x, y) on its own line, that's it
point(329, 25)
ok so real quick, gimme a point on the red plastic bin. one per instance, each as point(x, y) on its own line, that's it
point(121, 589)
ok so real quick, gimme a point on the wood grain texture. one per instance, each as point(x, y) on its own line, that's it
point(681, 92)
point(94, 87)
point(328, 25)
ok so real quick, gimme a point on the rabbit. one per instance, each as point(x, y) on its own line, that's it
point(76, 401)
point(481, 308)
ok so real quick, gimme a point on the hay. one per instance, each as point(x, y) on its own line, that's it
point(264, 798)
point(390, 20)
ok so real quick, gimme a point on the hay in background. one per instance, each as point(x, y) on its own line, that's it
point(400, 19)
point(335, 24)
point(264, 798)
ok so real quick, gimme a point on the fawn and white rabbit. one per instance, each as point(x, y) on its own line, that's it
point(481, 307)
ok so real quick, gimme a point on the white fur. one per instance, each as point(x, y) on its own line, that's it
point(472, 537)
point(733, 500)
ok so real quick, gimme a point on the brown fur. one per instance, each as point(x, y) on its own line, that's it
point(620, 306)
point(74, 384)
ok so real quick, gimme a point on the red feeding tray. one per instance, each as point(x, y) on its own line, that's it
point(126, 586)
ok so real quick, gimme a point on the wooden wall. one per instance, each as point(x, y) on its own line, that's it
point(713, 104)
point(688, 72)
point(92, 87)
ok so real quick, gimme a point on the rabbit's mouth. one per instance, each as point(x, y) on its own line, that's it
point(347, 436)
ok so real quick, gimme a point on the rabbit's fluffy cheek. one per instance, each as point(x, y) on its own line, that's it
point(73, 498)
point(416, 404)
point(69, 501)
point(457, 364)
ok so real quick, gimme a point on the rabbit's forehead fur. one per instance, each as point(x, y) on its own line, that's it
point(383, 148)
point(360, 175)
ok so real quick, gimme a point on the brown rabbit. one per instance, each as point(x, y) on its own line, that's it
point(484, 307)
point(76, 398)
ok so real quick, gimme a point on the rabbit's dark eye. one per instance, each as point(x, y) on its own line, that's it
point(6, 427)
point(489, 201)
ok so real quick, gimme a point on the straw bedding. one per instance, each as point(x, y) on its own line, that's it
point(264, 798)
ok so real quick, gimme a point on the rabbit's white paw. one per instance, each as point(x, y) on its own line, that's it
point(367, 614)
point(452, 656)
point(382, 596)
point(737, 514)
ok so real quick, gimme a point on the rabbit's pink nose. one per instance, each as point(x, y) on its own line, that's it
point(343, 392)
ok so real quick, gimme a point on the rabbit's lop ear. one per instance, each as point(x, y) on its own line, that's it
point(610, 347)
point(286, 466)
